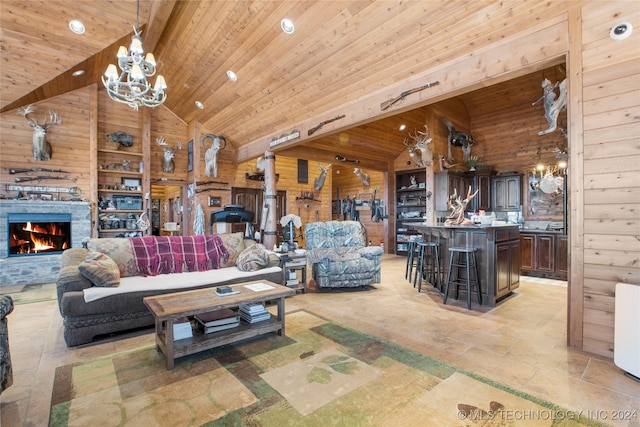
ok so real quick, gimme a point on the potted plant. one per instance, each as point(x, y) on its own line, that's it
point(473, 162)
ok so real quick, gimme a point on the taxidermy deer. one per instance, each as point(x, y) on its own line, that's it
point(422, 140)
point(363, 176)
point(211, 155)
point(318, 183)
point(168, 165)
point(41, 148)
point(459, 139)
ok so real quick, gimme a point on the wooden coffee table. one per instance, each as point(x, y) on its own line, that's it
point(168, 307)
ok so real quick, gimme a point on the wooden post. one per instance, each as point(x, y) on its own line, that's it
point(270, 238)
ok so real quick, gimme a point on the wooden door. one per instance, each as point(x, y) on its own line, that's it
point(253, 199)
point(527, 252)
point(544, 252)
point(562, 256)
point(502, 269)
point(514, 264)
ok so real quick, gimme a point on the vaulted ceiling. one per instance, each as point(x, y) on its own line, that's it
point(345, 57)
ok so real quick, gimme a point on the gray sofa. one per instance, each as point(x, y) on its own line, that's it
point(120, 310)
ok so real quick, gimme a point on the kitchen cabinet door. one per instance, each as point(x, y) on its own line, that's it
point(562, 256)
point(527, 252)
point(505, 192)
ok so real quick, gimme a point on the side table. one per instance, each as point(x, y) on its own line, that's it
point(294, 262)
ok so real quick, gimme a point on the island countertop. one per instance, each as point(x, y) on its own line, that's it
point(498, 255)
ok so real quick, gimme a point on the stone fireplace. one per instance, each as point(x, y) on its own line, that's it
point(55, 225)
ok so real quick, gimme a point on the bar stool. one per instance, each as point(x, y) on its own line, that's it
point(458, 263)
point(428, 264)
point(412, 259)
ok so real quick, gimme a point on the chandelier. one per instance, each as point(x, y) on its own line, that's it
point(131, 87)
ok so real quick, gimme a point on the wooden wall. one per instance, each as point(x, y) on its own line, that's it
point(605, 243)
point(69, 140)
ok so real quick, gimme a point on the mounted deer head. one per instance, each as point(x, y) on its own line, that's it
point(364, 178)
point(211, 155)
point(422, 140)
point(168, 165)
point(40, 147)
point(318, 183)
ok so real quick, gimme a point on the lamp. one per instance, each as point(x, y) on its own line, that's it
point(131, 87)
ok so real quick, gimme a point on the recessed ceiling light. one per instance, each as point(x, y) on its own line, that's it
point(232, 76)
point(78, 73)
point(402, 127)
point(287, 26)
point(76, 26)
point(199, 104)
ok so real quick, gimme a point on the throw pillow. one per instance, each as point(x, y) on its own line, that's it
point(119, 250)
point(234, 244)
point(253, 258)
point(100, 269)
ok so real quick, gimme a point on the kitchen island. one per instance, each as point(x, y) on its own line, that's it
point(498, 256)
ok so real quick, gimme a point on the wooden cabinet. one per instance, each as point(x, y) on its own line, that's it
point(543, 254)
point(507, 262)
point(498, 256)
point(411, 206)
point(446, 183)
point(505, 192)
point(480, 181)
point(562, 256)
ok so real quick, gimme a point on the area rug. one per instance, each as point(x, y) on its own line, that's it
point(320, 374)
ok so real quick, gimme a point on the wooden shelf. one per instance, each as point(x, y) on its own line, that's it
point(120, 172)
point(120, 210)
point(129, 153)
point(118, 230)
point(102, 190)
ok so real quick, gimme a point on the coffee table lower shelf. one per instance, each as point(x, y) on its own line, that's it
point(201, 341)
point(168, 308)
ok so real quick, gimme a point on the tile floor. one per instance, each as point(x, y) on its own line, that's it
point(521, 343)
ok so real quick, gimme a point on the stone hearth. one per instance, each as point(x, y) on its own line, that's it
point(39, 268)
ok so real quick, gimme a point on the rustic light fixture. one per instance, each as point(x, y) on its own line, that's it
point(131, 87)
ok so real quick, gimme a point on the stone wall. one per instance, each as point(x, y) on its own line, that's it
point(39, 268)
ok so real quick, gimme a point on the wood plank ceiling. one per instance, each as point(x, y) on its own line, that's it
point(340, 53)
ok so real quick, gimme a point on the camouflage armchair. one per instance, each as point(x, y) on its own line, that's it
point(339, 256)
point(6, 372)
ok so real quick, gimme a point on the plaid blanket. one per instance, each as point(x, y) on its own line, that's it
point(156, 255)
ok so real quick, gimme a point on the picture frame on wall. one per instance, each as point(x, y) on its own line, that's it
point(215, 201)
point(190, 156)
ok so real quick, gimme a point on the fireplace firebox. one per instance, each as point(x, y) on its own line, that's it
point(38, 233)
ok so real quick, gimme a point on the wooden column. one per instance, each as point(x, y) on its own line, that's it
point(270, 238)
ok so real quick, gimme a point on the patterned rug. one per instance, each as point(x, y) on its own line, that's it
point(320, 374)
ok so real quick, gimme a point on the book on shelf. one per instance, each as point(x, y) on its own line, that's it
point(255, 318)
point(218, 317)
point(209, 329)
point(294, 282)
point(182, 328)
point(224, 291)
point(255, 308)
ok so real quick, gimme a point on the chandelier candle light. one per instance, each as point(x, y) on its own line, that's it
point(131, 87)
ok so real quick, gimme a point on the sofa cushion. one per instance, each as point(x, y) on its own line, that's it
point(100, 269)
point(119, 250)
point(234, 243)
point(255, 258)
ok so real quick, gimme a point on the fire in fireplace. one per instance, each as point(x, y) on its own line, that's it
point(38, 233)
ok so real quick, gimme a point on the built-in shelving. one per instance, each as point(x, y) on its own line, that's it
point(411, 206)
